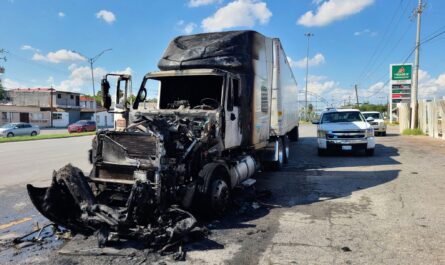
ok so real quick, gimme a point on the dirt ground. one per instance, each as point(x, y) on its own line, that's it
point(342, 209)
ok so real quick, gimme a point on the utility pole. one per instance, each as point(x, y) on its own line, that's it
point(356, 96)
point(308, 35)
point(414, 91)
point(92, 61)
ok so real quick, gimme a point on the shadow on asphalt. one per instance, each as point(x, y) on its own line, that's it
point(308, 178)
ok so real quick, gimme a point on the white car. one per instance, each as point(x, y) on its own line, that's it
point(377, 121)
point(344, 130)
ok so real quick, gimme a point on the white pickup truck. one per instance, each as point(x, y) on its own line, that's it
point(344, 130)
point(377, 121)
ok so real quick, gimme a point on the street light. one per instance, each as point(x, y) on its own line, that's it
point(92, 60)
point(308, 35)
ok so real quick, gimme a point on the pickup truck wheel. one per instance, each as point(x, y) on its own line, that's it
point(219, 197)
point(34, 133)
point(286, 148)
point(369, 152)
point(10, 134)
point(322, 152)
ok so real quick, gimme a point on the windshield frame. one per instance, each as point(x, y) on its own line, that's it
point(323, 121)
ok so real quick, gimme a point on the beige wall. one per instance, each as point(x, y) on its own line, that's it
point(12, 114)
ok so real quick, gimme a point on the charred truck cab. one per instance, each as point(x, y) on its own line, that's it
point(227, 106)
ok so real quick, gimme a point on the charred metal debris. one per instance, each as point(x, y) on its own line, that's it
point(145, 197)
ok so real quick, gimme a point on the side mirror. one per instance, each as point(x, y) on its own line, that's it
point(315, 122)
point(106, 98)
point(369, 119)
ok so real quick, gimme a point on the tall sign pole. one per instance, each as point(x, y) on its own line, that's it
point(308, 35)
point(414, 91)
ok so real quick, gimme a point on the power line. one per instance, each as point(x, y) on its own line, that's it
point(384, 41)
point(430, 38)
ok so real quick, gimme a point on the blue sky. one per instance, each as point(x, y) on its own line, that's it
point(354, 42)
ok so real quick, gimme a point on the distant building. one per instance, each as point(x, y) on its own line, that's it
point(103, 118)
point(36, 105)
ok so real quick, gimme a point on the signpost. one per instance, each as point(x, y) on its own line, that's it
point(400, 85)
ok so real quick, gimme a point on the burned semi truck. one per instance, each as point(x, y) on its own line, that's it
point(227, 106)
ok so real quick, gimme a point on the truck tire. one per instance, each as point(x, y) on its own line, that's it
point(218, 197)
point(293, 134)
point(34, 133)
point(10, 135)
point(322, 152)
point(278, 165)
point(286, 149)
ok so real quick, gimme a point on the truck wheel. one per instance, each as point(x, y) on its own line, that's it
point(322, 152)
point(218, 196)
point(10, 135)
point(369, 152)
point(286, 149)
point(293, 135)
point(278, 165)
point(34, 133)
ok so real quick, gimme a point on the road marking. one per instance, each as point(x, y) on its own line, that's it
point(15, 222)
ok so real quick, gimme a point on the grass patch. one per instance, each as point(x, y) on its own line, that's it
point(415, 131)
point(43, 136)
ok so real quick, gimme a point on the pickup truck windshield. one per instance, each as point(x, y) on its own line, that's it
point(344, 116)
point(373, 115)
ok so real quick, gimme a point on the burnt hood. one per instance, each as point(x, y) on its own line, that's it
point(231, 50)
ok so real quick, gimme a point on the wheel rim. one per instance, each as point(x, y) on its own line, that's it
point(220, 196)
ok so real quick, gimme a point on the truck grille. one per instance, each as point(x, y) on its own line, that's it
point(346, 134)
point(137, 145)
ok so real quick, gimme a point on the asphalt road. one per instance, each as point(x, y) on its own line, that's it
point(344, 209)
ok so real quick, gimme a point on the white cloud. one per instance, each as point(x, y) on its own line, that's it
point(126, 71)
point(430, 87)
point(106, 16)
point(188, 29)
point(10, 84)
point(332, 10)
point(80, 78)
point(317, 2)
point(58, 56)
point(61, 14)
point(239, 13)
point(29, 48)
point(365, 32)
point(197, 3)
point(314, 61)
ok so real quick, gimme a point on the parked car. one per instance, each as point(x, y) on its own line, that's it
point(344, 130)
point(19, 128)
point(82, 126)
point(377, 121)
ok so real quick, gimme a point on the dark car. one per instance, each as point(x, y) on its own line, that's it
point(82, 126)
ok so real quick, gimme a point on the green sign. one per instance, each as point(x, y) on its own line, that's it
point(401, 72)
